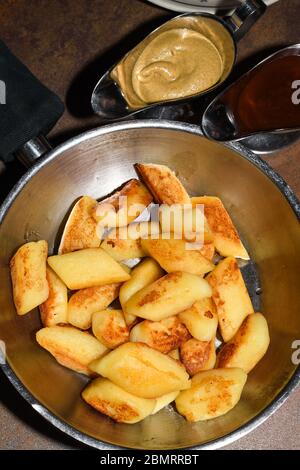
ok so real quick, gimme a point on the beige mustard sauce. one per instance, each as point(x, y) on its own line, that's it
point(184, 57)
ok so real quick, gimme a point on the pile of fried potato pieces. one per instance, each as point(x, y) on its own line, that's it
point(158, 345)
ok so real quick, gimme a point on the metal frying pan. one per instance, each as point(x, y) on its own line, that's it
point(266, 214)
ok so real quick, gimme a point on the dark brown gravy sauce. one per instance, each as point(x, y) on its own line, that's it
point(263, 100)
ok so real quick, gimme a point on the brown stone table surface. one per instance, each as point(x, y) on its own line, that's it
point(68, 44)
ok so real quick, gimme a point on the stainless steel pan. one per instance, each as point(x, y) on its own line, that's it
point(267, 215)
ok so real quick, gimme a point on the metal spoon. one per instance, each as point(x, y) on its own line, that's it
point(107, 98)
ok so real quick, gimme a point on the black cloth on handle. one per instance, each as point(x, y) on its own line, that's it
point(27, 107)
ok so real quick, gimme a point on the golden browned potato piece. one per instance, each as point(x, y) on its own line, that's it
point(87, 301)
point(168, 296)
point(163, 184)
point(121, 249)
point(130, 320)
point(116, 403)
point(81, 228)
point(164, 400)
point(175, 354)
point(198, 355)
point(28, 275)
point(248, 346)
point(110, 328)
point(174, 255)
point(142, 371)
point(164, 335)
point(208, 250)
point(125, 242)
point(226, 238)
point(72, 348)
point(55, 309)
point(230, 296)
point(201, 319)
point(124, 206)
point(87, 268)
point(213, 393)
point(142, 275)
point(186, 221)
point(126, 268)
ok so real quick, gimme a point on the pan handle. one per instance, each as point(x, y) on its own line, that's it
point(27, 109)
point(244, 17)
point(32, 150)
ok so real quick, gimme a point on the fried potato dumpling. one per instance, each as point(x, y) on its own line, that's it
point(185, 220)
point(142, 275)
point(168, 296)
point(226, 238)
point(87, 301)
point(230, 296)
point(124, 206)
point(125, 242)
point(116, 403)
point(213, 393)
point(163, 184)
point(164, 400)
point(142, 371)
point(72, 348)
point(81, 228)
point(55, 309)
point(189, 224)
point(120, 249)
point(198, 355)
point(201, 319)
point(175, 255)
point(110, 328)
point(248, 346)
point(28, 275)
point(175, 354)
point(87, 268)
point(164, 335)
point(208, 250)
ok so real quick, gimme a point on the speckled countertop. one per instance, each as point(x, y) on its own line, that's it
point(67, 44)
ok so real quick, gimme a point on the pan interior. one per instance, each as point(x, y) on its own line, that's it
point(265, 220)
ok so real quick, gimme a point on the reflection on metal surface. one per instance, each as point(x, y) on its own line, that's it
point(212, 6)
point(2, 352)
point(264, 144)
